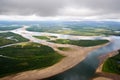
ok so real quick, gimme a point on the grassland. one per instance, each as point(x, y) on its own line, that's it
point(84, 43)
point(42, 37)
point(112, 64)
point(47, 38)
point(10, 38)
point(8, 27)
point(70, 31)
point(77, 29)
point(63, 48)
point(26, 56)
point(53, 36)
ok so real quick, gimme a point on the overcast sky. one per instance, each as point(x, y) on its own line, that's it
point(59, 9)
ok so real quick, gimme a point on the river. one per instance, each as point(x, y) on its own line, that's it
point(86, 69)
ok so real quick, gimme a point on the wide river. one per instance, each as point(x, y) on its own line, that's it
point(85, 69)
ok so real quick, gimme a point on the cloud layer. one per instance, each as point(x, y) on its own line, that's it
point(86, 9)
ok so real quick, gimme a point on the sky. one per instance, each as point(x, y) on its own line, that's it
point(59, 9)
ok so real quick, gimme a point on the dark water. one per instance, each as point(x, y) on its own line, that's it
point(86, 69)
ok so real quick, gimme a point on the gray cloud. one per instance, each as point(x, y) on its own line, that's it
point(101, 8)
point(28, 7)
point(103, 5)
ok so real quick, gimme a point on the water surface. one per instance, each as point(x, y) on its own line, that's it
point(86, 69)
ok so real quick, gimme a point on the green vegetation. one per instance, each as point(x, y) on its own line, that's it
point(78, 28)
point(112, 64)
point(42, 37)
point(70, 30)
point(3, 28)
point(53, 36)
point(84, 43)
point(4, 41)
point(45, 37)
point(10, 38)
point(63, 48)
point(26, 56)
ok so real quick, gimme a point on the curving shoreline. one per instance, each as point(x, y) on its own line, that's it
point(73, 57)
point(99, 75)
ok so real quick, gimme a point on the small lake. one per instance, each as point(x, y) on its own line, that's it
point(86, 69)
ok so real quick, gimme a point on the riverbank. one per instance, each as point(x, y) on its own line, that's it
point(99, 75)
point(106, 76)
point(73, 57)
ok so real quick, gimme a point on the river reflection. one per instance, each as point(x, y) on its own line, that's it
point(86, 69)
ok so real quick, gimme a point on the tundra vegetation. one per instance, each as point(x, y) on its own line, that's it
point(10, 38)
point(26, 56)
point(112, 64)
point(83, 43)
